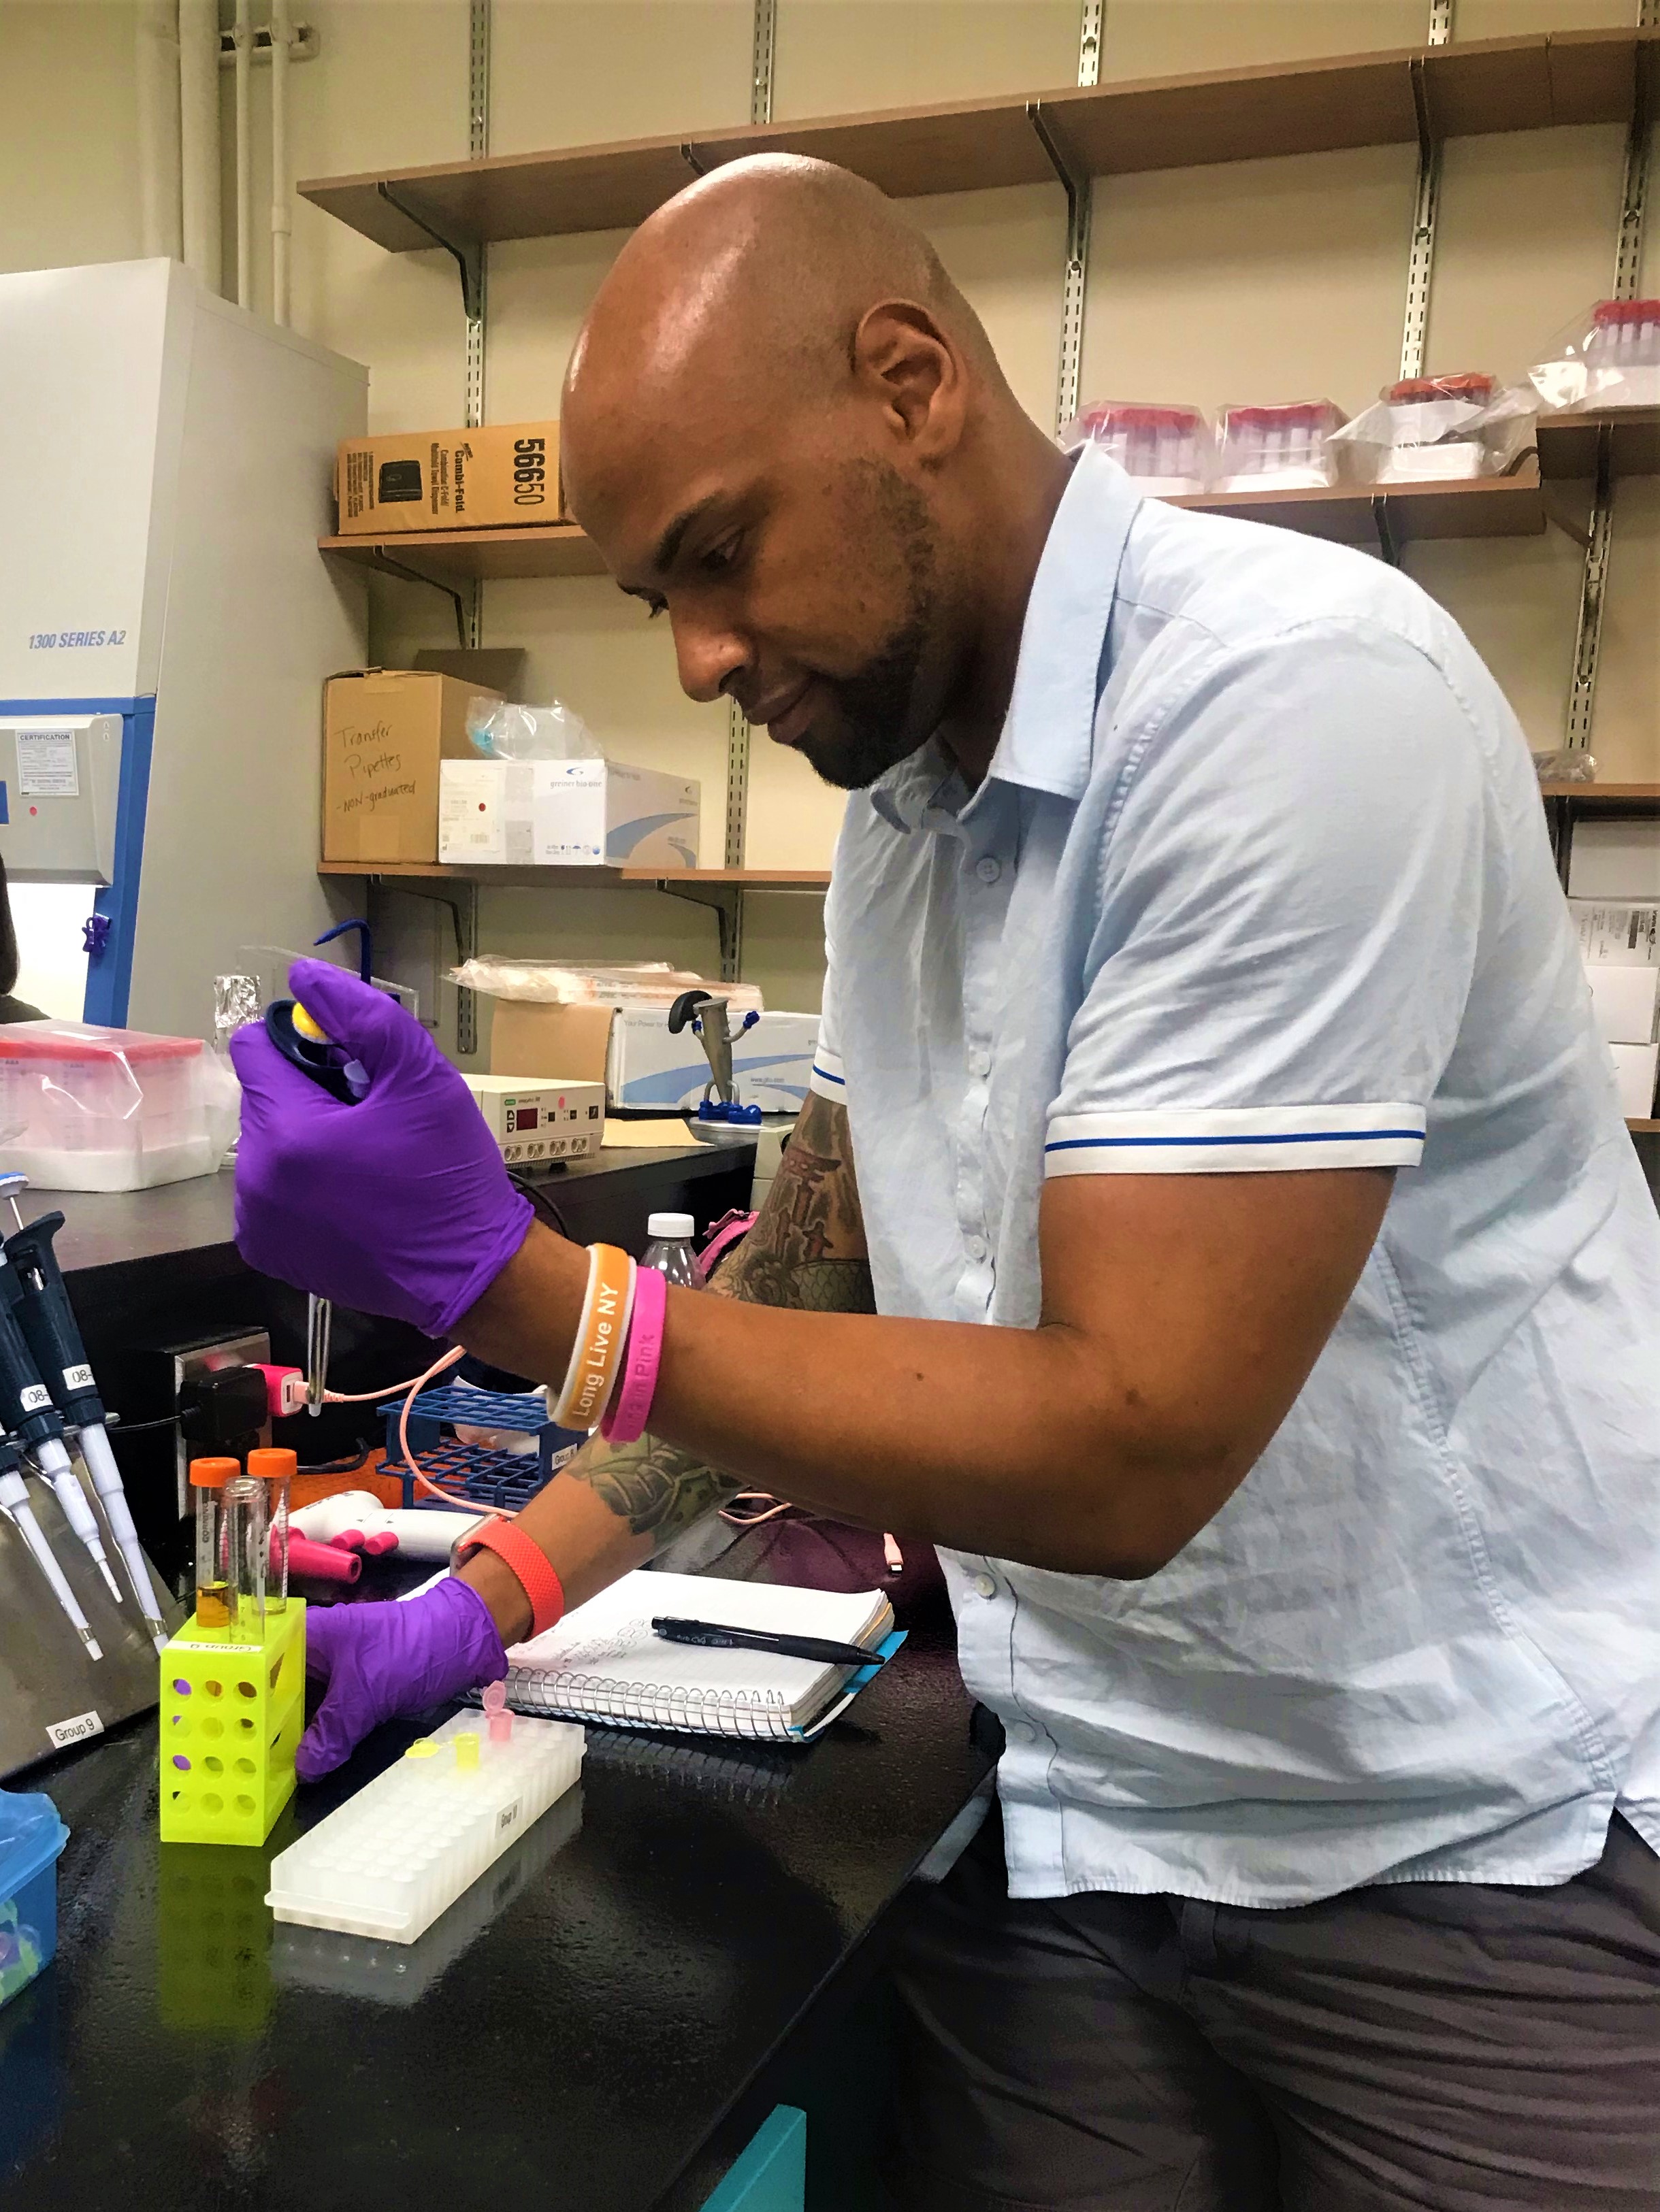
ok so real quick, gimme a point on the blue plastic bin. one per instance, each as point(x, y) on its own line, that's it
point(32, 1837)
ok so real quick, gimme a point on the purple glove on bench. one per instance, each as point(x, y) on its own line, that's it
point(399, 1205)
point(399, 1658)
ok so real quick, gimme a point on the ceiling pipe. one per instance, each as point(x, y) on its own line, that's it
point(156, 60)
point(244, 153)
point(282, 195)
point(198, 133)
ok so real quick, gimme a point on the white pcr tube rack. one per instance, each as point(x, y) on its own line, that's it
point(406, 1847)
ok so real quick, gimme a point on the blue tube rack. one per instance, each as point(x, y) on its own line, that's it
point(471, 1473)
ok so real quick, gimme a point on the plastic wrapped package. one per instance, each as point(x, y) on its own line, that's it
point(1279, 448)
point(1609, 358)
point(1167, 449)
point(501, 731)
point(648, 983)
point(1426, 429)
point(83, 1107)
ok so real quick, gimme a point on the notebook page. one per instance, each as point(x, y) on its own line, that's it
point(605, 1653)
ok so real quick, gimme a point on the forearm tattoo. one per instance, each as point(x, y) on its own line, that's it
point(806, 1252)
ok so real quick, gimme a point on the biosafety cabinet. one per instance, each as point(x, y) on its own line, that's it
point(166, 624)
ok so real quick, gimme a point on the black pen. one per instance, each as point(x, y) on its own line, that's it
point(711, 1633)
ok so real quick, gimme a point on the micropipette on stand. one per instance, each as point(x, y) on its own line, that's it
point(27, 1414)
point(49, 1326)
point(15, 1498)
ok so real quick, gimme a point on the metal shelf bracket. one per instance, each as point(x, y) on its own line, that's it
point(1593, 583)
point(727, 901)
point(1075, 183)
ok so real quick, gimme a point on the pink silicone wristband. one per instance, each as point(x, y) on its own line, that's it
point(625, 1417)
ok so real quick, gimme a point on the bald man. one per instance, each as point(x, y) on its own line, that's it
point(1211, 1224)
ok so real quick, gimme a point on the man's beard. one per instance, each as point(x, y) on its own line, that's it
point(879, 712)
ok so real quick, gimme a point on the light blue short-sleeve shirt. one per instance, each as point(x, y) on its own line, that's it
point(1259, 880)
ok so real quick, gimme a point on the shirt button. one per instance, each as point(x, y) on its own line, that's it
point(979, 1061)
point(985, 1585)
point(988, 869)
point(975, 1248)
point(1022, 1732)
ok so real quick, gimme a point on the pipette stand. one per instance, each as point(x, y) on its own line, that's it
point(231, 1717)
point(53, 1692)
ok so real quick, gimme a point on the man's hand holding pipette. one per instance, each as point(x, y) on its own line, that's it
point(414, 1222)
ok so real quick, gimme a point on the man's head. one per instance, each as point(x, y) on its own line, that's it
point(783, 426)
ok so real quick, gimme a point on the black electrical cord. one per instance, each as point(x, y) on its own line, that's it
point(339, 1465)
point(546, 1208)
point(121, 1428)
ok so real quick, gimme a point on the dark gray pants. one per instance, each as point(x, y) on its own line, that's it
point(1447, 2045)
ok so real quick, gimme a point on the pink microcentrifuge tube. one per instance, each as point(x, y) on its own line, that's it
point(495, 1712)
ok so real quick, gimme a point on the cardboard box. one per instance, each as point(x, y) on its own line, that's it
point(1635, 1067)
point(1617, 934)
point(646, 1070)
point(488, 479)
point(1615, 860)
point(1626, 1003)
point(547, 1118)
point(529, 1040)
point(385, 731)
point(649, 1072)
point(565, 814)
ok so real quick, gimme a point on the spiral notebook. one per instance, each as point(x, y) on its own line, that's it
point(603, 1663)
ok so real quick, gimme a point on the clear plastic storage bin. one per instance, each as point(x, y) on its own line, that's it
point(32, 1837)
point(1167, 449)
point(1279, 449)
point(88, 1109)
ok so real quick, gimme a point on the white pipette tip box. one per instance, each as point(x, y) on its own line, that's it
point(407, 1845)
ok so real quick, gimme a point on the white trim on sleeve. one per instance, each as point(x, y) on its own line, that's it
point(828, 1080)
point(1232, 1140)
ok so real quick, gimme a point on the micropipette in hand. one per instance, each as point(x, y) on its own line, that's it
point(49, 1329)
point(15, 1498)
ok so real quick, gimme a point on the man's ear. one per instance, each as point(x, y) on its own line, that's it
point(903, 358)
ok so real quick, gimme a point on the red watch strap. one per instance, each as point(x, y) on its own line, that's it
point(528, 1561)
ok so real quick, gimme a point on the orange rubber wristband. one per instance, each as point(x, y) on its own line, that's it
point(596, 1355)
point(530, 1564)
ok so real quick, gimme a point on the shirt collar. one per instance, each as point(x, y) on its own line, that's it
point(1048, 733)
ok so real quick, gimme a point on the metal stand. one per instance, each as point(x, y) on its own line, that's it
point(51, 1694)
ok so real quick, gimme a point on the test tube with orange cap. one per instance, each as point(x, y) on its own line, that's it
point(215, 1597)
point(275, 1467)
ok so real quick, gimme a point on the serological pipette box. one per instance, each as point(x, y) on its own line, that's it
point(407, 1845)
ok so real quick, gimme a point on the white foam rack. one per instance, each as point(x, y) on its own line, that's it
point(403, 1849)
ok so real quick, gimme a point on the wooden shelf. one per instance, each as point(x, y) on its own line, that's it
point(1470, 89)
point(1594, 795)
point(1480, 506)
point(595, 879)
point(458, 556)
point(1485, 507)
point(1568, 443)
point(1642, 1128)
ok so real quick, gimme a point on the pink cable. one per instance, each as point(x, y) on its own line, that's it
point(391, 1389)
point(433, 1489)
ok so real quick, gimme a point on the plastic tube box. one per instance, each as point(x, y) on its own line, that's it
point(404, 1848)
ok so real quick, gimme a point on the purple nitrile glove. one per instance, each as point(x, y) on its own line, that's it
point(398, 1204)
point(397, 1657)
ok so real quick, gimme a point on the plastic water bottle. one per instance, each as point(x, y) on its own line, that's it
point(670, 1249)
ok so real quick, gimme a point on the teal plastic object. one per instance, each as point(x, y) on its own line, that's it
point(31, 1839)
point(771, 2175)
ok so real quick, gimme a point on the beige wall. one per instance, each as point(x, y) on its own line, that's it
point(1259, 280)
